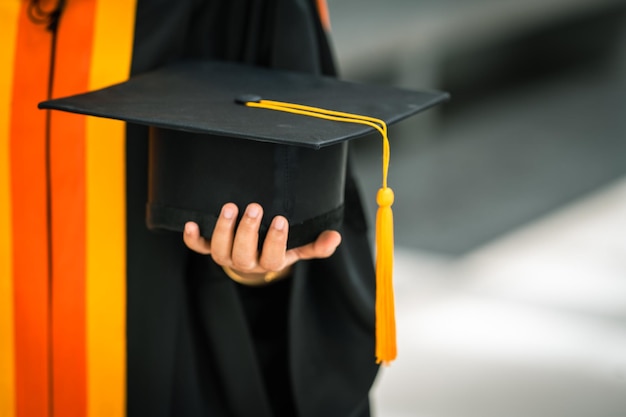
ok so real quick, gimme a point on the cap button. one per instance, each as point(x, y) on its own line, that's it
point(248, 98)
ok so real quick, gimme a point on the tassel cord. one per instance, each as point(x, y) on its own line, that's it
point(385, 349)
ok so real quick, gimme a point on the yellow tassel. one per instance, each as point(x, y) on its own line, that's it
point(385, 310)
point(386, 350)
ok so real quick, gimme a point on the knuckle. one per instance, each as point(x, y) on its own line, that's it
point(271, 264)
point(219, 258)
point(242, 264)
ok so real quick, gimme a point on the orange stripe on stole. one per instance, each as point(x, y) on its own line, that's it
point(67, 156)
point(324, 14)
point(9, 14)
point(29, 217)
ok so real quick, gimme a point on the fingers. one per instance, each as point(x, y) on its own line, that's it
point(244, 254)
point(323, 247)
point(236, 246)
point(193, 240)
point(275, 245)
point(223, 234)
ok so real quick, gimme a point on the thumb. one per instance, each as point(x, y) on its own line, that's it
point(323, 247)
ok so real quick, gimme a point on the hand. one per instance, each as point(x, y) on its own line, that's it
point(236, 247)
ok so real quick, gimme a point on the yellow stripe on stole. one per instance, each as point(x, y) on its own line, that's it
point(106, 218)
point(9, 12)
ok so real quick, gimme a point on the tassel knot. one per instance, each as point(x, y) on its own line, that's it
point(385, 197)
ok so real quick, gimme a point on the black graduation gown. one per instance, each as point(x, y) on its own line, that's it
point(198, 343)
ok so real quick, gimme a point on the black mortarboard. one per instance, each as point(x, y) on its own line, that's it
point(207, 149)
point(195, 164)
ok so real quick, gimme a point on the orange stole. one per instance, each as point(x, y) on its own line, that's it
point(62, 325)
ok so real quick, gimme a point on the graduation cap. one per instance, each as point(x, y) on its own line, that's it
point(224, 132)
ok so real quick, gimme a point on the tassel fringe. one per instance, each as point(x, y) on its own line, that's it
point(386, 350)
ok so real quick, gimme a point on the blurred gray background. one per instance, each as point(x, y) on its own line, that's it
point(510, 205)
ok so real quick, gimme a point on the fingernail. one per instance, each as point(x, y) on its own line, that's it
point(279, 223)
point(228, 212)
point(188, 228)
point(253, 211)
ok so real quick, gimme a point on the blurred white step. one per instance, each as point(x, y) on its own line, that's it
point(532, 325)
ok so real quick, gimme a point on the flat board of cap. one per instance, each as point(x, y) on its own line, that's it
point(200, 97)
